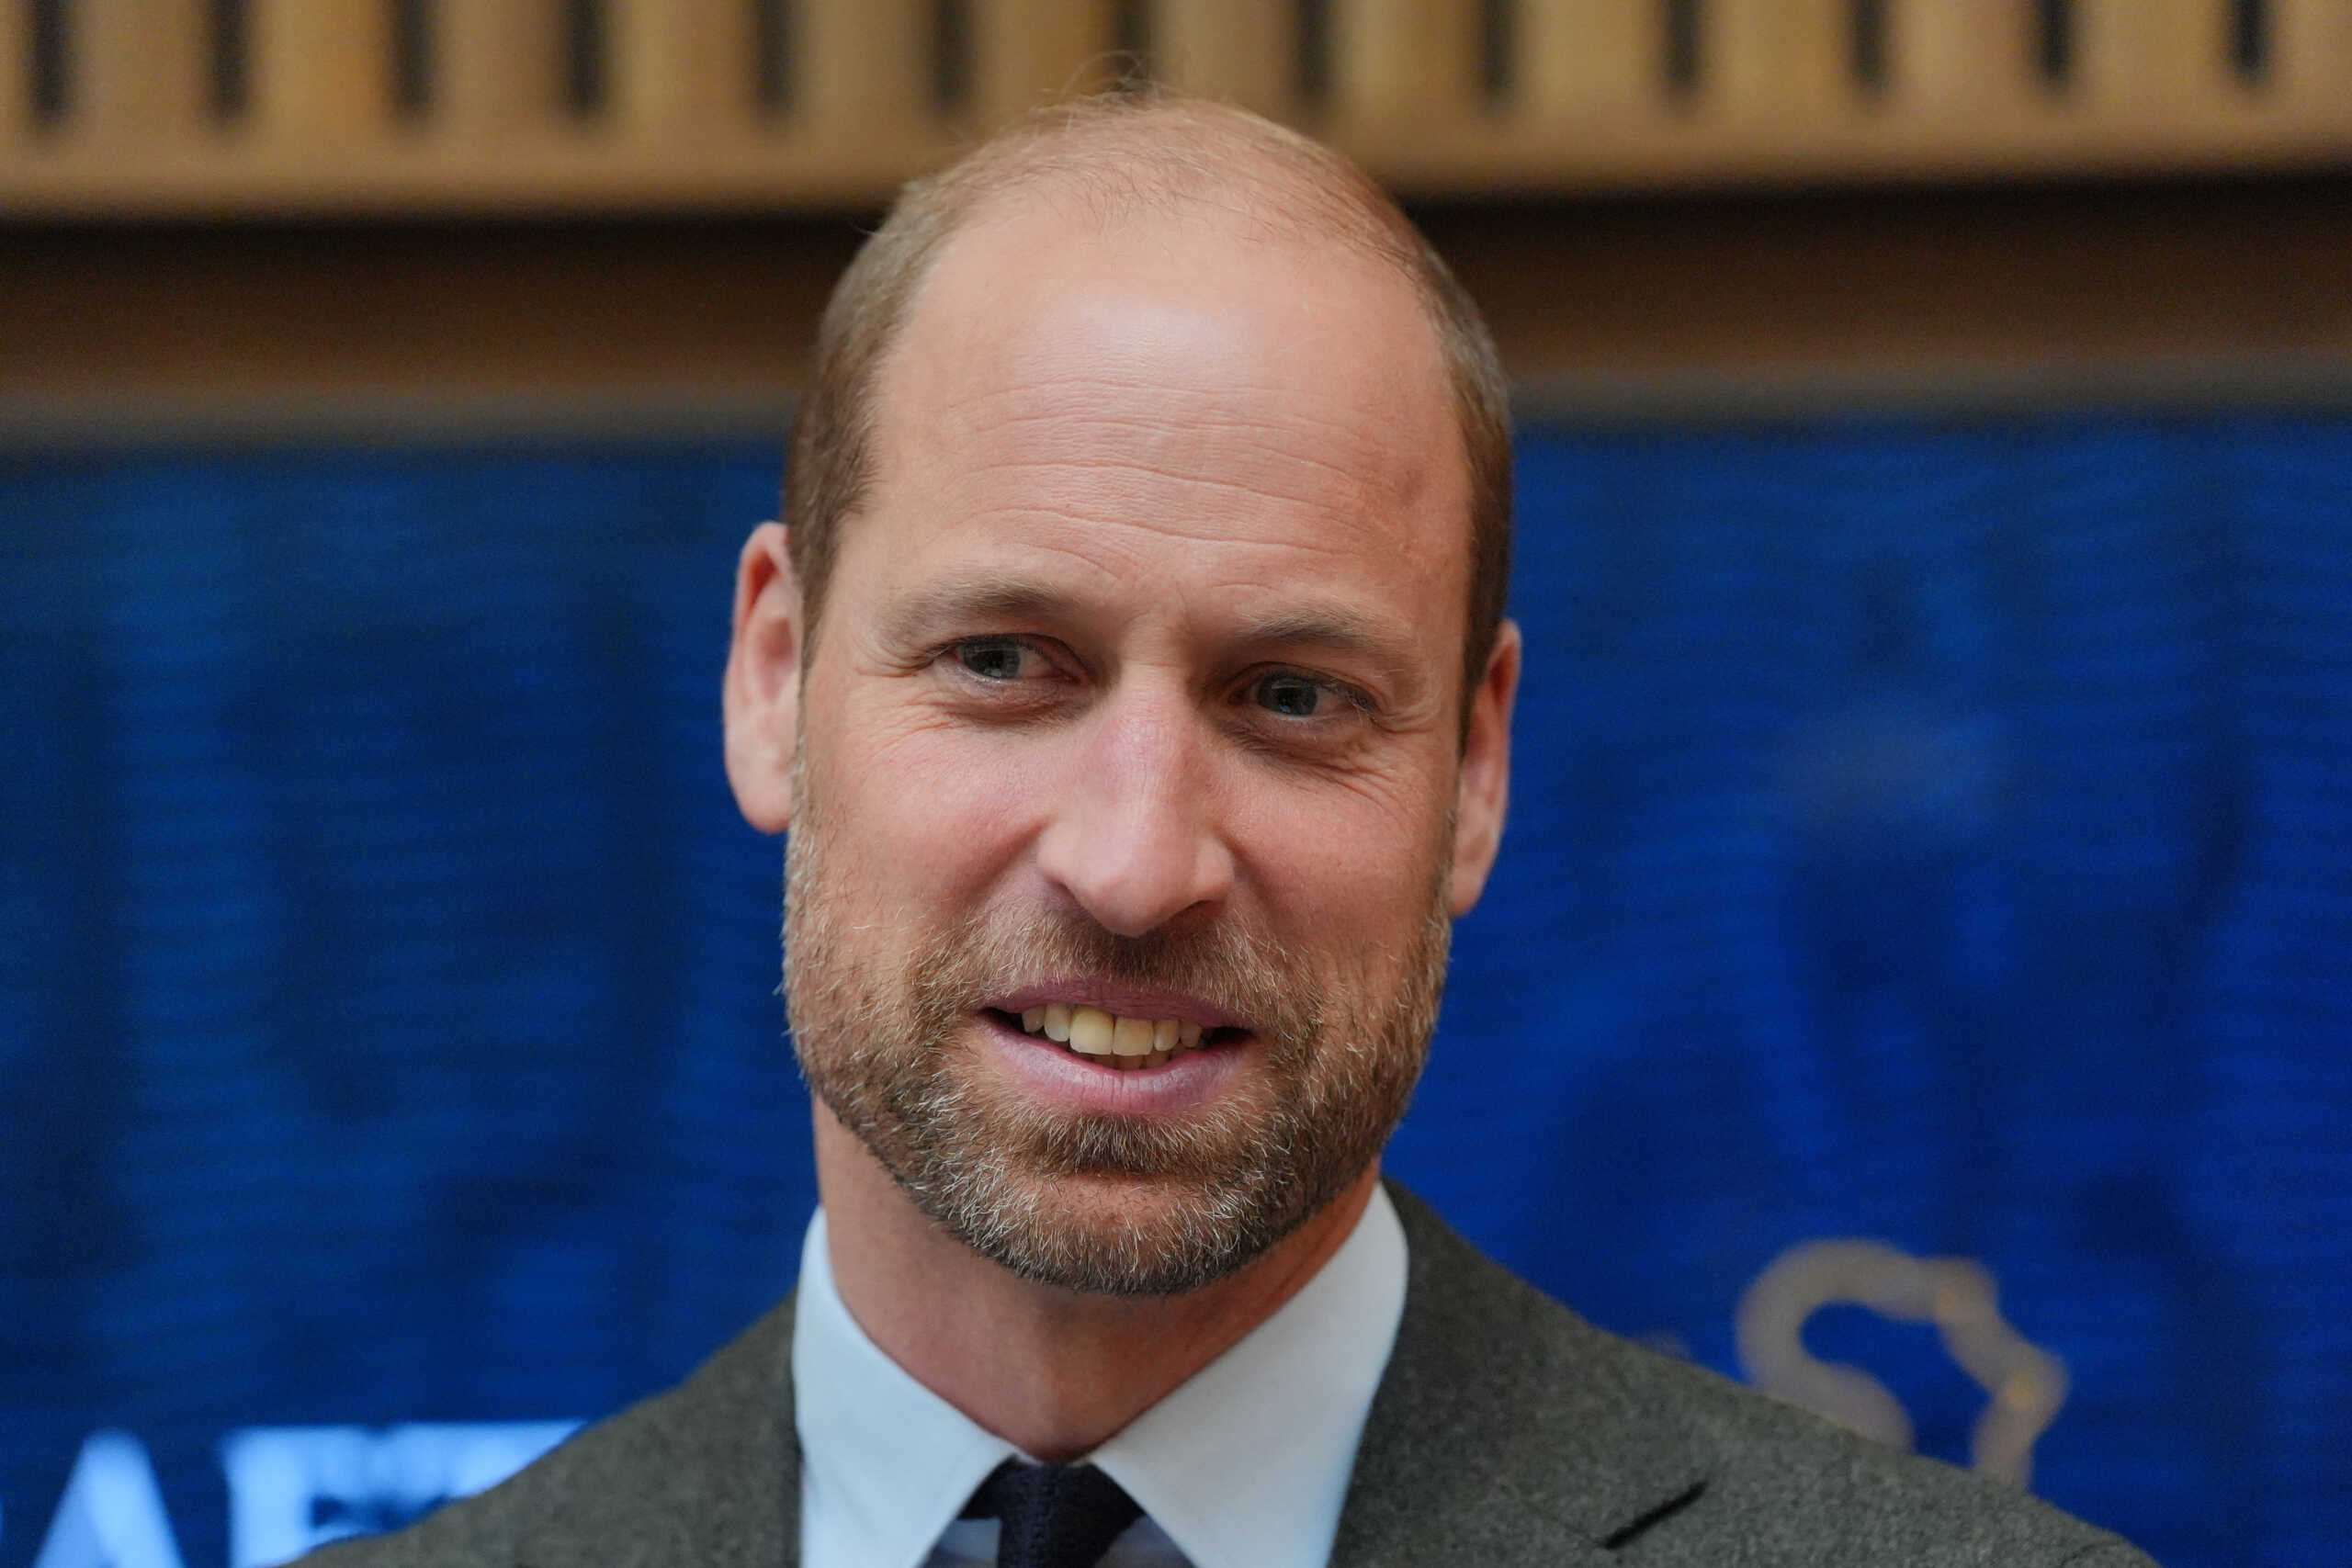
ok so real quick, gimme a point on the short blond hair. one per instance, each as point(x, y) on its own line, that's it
point(1115, 154)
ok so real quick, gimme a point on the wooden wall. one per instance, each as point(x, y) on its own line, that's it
point(213, 107)
point(239, 212)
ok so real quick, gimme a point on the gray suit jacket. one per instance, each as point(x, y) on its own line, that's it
point(1506, 1431)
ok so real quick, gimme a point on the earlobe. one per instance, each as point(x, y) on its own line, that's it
point(1483, 792)
point(760, 691)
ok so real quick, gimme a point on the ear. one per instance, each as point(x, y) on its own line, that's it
point(1482, 791)
point(760, 691)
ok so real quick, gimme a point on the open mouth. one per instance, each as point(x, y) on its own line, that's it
point(1118, 1041)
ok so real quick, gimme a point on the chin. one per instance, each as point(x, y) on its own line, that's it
point(1111, 1233)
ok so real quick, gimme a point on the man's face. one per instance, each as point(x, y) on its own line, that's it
point(1134, 725)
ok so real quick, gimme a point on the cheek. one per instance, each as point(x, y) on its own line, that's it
point(926, 813)
point(1356, 863)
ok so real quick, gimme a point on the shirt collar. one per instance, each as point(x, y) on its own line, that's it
point(886, 1464)
point(1245, 1465)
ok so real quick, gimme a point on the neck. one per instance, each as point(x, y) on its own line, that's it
point(1055, 1372)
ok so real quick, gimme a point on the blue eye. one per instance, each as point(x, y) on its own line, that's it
point(1293, 696)
point(994, 658)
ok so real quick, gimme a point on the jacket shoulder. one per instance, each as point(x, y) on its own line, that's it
point(1791, 1487)
point(708, 1472)
point(1661, 1462)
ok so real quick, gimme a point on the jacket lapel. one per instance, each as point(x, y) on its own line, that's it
point(707, 1473)
point(1506, 1429)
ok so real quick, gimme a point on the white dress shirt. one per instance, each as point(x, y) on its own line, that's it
point(1244, 1465)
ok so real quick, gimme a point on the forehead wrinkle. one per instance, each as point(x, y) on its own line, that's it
point(1086, 537)
point(1036, 406)
point(1195, 450)
point(1250, 490)
point(1088, 358)
point(1245, 461)
point(1258, 414)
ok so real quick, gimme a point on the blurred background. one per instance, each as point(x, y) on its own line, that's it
point(1921, 941)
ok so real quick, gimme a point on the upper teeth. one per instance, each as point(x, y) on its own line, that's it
point(1123, 1042)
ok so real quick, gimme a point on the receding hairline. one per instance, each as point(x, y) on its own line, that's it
point(1144, 158)
point(1042, 210)
point(1118, 159)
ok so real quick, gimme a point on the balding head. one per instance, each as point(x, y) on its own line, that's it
point(1105, 161)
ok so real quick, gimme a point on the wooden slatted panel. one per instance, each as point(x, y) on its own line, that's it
point(141, 70)
point(2311, 58)
point(321, 70)
point(683, 70)
point(1028, 52)
point(1244, 50)
point(1403, 65)
point(1960, 54)
point(2148, 54)
point(861, 67)
point(499, 65)
point(2154, 89)
point(15, 76)
point(1587, 58)
point(1780, 58)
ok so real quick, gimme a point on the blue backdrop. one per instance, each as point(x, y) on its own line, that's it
point(1941, 835)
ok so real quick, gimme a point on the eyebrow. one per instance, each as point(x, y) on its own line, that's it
point(1340, 630)
point(914, 617)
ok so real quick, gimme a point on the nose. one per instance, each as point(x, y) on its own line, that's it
point(1134, 839)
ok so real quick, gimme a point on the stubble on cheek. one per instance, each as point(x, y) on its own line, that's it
point(1123, 1205)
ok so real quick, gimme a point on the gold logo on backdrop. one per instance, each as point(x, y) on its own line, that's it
point(2024, 1384)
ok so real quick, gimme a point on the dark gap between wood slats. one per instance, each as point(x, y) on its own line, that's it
point(1498, 61)
point(1313, 53)
point(225, 46)
point(1868, 61)
point(951, 55)
point(2055, 43)
point(772, 55)
point(50, 66)
point(586, 74)
point(1683, 64)
point(412, 27)
point(1131, 60)
point(2250, 40)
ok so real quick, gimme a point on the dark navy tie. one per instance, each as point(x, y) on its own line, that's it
point(1052, 1516)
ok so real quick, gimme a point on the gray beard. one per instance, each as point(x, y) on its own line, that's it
point(882, 1049)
